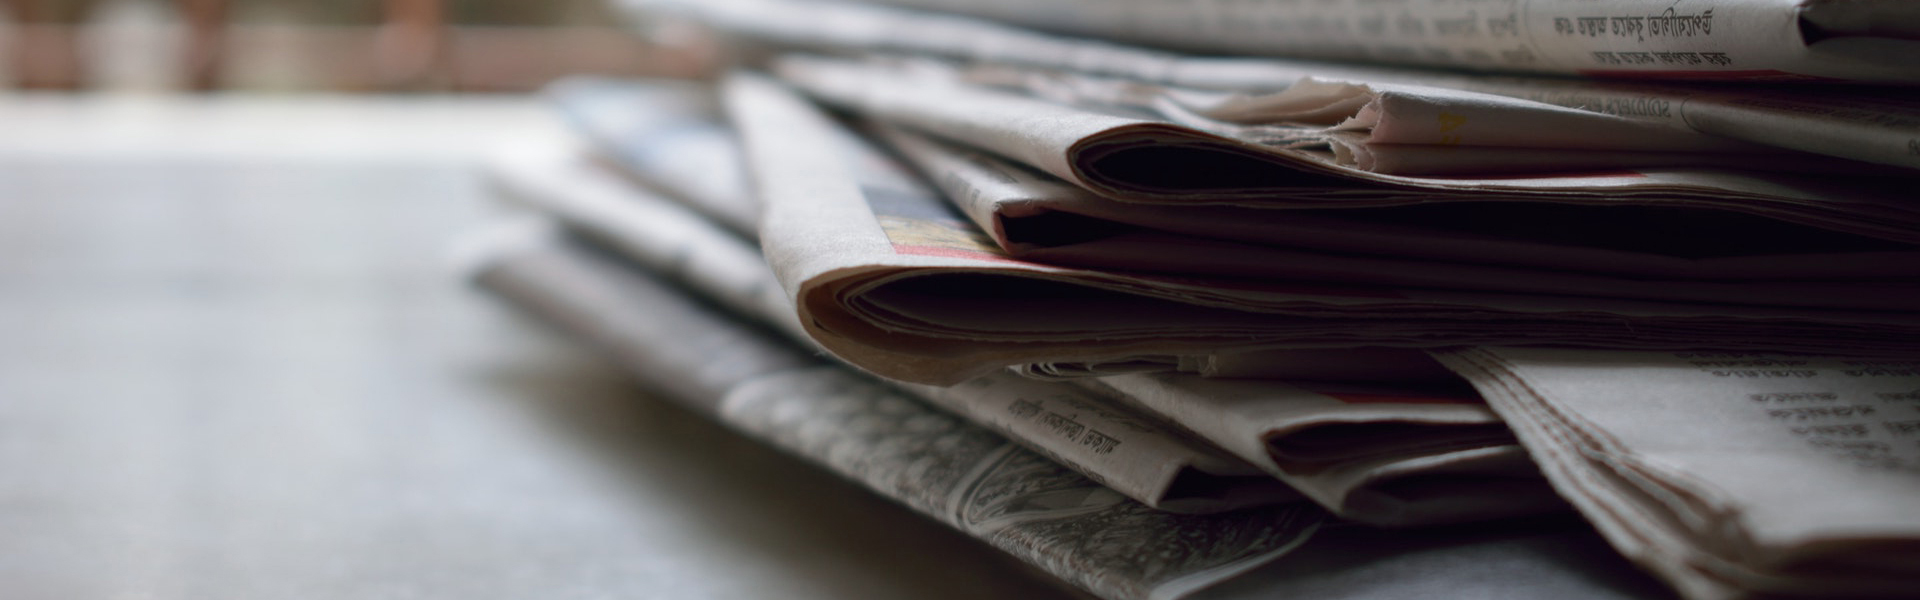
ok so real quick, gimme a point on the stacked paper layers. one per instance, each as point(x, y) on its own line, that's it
point(1206, 299)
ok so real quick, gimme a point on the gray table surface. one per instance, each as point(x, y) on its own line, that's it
point(235, 363)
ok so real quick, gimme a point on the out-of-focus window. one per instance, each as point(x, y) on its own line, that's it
point(337, 45)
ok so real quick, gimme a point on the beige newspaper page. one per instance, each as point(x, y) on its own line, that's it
point(1134, 455)
point(1725, 40)
point(1728, 474)
point(1874, 126)
point(935, 463)
point(889, 277)
point(1375, 454)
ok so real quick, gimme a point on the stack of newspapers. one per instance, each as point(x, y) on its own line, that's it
point(1529, 298)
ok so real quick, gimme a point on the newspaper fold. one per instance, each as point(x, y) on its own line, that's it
point(1036, 217)
point(1727, 474)
point(1378, 455)
point(888, 277)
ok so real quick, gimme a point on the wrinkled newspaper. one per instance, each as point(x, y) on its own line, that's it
point(1085, 431)
point(937, 464)
point(889, 277)
point(1528, 558)
point(983, 487)
point(1878, 126)
point(1728, 474)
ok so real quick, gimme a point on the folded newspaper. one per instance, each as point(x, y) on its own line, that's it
point(1034, 216)
point(943, 466)
point(1877, 126)
point(983, 486)
point(889, 277)
point(1391, 457)
point(1728, 474)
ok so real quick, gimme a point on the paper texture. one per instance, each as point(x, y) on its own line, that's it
point(1727, 474)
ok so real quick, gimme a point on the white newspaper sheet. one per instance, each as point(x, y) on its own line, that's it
point(1728, 474)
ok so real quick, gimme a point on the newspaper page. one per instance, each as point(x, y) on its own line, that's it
point(1006, 201)
point(887, 276)
point(1722, 40)
point(1371, 453)
point(1131, 454)
point(1727, 474)
point(937, 464)
point(667, 136)
point(1877, 126)
point(1145, 160)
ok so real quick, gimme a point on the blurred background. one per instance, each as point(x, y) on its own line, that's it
point(337, 45)
point(238, 360)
